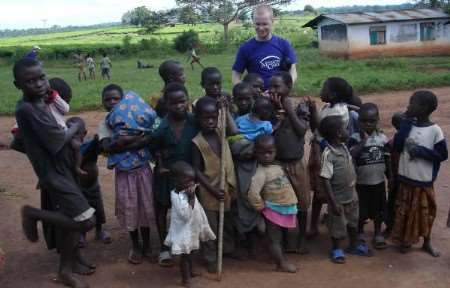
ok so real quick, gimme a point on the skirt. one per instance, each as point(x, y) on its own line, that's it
point(415, 213)
point(134, 199)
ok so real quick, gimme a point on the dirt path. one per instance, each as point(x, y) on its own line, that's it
point(31, 265)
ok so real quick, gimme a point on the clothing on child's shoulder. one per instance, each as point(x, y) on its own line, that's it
point(429, 142)
point(270, 183)
point(253, 128)
point(289, 145)
point(130, 117)
point(371, 164)
point(211, 163)
point(188, 225)
point(337, 166)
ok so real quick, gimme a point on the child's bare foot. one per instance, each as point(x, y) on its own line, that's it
point(81, 269)
point(187, 283)
point(404, 249)
point(427, 247)
point(303, 250)
point(80, 171)
point(211, 268)
point(286, 267)
point(80, 259)
point(135, 257)
point(313, 233)
point(29, 225)
point(195, 274)
point(70, 280)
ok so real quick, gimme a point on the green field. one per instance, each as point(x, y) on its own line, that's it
point(365, 75)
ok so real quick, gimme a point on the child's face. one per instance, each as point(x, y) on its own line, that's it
point(265, 152)
point(415, 108)
point(110, 99)
point(178, 75)
point(33, 82)
point(244, 101)
point(368, 121)
point(185, 181)
point(208, 117)
point(258, 87)
point(278, 87)
point(342, 134)
point(326, 94)
point(213, 85)
point(264, 111)
point(177, 103)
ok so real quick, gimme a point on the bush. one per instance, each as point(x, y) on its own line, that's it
point(185, 41)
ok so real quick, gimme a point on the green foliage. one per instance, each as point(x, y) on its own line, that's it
point(185, 41)
point(188, 15)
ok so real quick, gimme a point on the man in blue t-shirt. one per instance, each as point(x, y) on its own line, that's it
point(266, 54)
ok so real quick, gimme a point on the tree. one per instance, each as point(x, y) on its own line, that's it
point(144, 17)
point(443, 4)
point(309, 9)
point(226, 11)
point(188, 15)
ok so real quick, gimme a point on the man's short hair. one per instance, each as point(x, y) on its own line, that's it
point(262, 8)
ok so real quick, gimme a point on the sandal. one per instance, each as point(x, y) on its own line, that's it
point(379, 242)
point(165, 259)
point(337, 256)
point(361, 250)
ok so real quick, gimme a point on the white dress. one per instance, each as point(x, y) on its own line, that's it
point(188, 226)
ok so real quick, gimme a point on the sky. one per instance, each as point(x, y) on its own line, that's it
point(21, 14)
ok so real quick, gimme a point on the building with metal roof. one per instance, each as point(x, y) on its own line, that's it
point(386, 33)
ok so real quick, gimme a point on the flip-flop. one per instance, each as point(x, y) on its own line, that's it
point(165, 259)
point(379, 242)
point(82, 243)
point(337, 256)
point(361, 250)
point(104, 237)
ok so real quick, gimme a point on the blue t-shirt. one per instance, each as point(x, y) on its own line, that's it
point(263, 57)
point(252, 129)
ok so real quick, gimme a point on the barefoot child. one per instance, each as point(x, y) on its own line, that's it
point(206, 155)
point(290, 142)
point(188, 222)
point(370, 151)
point(339, 178)
point(271, 193)
point(423, 147)
point(335, 93)
point(130, 117)
point(172, 140)
point(48, 149)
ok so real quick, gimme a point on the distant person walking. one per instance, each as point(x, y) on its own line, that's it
point(81, 64)
point(33, 53)
point(194, 58)
point(265, 54)
point(91, 66)
point(105, 65)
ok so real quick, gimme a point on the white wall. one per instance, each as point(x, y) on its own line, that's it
point(359, 40)
point(333, 48)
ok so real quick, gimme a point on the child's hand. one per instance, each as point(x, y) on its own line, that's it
point(276, 100)
point(336, 209)
point(311, 103)
point(279, 115)
point(219, 194)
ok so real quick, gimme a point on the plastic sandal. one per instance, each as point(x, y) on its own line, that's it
point(361, 250)
point(165, 259)
point(337, 256)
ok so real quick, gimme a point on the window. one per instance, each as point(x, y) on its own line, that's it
point(335, 32)
point(427, 31)
point(406, 32)
point(377, 35)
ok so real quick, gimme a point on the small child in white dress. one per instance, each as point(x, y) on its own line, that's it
point(188, 222)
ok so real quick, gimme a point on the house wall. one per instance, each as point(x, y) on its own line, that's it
point(337, 48)
point(400, 40)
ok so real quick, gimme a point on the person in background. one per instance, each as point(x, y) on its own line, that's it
point(91, 66)
point(105, 65)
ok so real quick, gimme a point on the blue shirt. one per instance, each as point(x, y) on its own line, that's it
point(252, 129)
point(263, 57)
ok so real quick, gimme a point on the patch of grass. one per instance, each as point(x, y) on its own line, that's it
point(365, 75)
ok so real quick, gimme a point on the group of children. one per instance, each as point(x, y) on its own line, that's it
point(89, 61)
point(267, 183)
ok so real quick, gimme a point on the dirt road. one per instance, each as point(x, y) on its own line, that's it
point(31, 265)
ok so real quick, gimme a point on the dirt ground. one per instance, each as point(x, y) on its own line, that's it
point(31, 265)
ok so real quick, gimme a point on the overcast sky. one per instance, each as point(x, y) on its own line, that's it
point(18, 14)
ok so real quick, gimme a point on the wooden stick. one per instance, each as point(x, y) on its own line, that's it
point(223, 120)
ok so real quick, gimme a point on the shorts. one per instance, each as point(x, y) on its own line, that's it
point(298, 175)
point(337, 225)
point(372, 201)
point(105, 71)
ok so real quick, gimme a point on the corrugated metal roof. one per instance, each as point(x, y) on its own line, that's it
point(380, 17)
